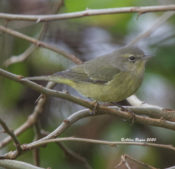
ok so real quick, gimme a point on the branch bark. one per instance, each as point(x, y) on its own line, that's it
point(31, 119)
point(40, 43)
point(154, 27)
point(93, 141)
point(88, 12)
point(12, 135)
point(39, 143)
point(9, 164)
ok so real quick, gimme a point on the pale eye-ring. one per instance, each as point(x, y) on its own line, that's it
point(132, 58)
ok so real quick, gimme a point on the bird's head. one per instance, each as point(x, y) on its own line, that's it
point(132, 59)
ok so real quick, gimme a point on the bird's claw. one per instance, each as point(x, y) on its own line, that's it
point(132, 114)
point(95, 105)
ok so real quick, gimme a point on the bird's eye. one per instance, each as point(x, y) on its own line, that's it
point(132, 58)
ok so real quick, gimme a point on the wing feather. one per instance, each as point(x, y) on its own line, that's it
point(100, 70)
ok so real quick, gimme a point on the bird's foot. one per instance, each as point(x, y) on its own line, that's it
point(132, 114)
point(95, 105)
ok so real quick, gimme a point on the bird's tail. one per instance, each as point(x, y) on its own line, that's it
point(53, 78)
point(35, 78)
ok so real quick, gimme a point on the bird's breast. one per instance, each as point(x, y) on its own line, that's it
point(120, 87)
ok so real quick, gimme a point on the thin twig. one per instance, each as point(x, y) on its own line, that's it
point(93, 141)
point(151, 111)
point(125, 158)
point(172, 167)
point(36, 156)
point(140, 107)
point(75, 156)
point(38, 135)
point(70, 153)
point(12, 135)
point(86, 113)
point(36, 144)
point(58, 6)
point(22, 57)
point(88, 12)
point(154, 27)
point(126, 163)
point(31, 119)
point(14, 164)
point(40, 43)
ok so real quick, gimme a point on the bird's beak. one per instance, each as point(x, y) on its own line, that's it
point(147, 57)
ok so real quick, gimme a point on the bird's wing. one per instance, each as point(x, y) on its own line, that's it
point(100, 71)
point(76, 74)
point(103, 69)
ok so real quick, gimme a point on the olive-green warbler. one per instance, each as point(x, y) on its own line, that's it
point(109, 78)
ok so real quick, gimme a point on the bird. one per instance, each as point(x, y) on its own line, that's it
point(109, 78)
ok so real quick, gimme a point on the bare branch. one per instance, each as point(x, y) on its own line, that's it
point(57, 7)
point(9, 164)
point(31, 119)
point(86, 112)
point(93, 141)
point(38, 108)
point(36, 156)
point(31, 48)
point(153, 111)
point(125, 160)
point(172, 167)
point(88, 12)
point(28, 51)
point(39, 143)
point(156, 25)
point(70, 153)
point(40, 43)
point(38, 135)
point(75, 156)
point(12, 135)
point(140, 107)
point(21, 57)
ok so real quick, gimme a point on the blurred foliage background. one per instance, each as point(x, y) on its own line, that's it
point(88, 37)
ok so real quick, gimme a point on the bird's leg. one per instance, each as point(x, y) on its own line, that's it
point(95, 105)
point(132, 114)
